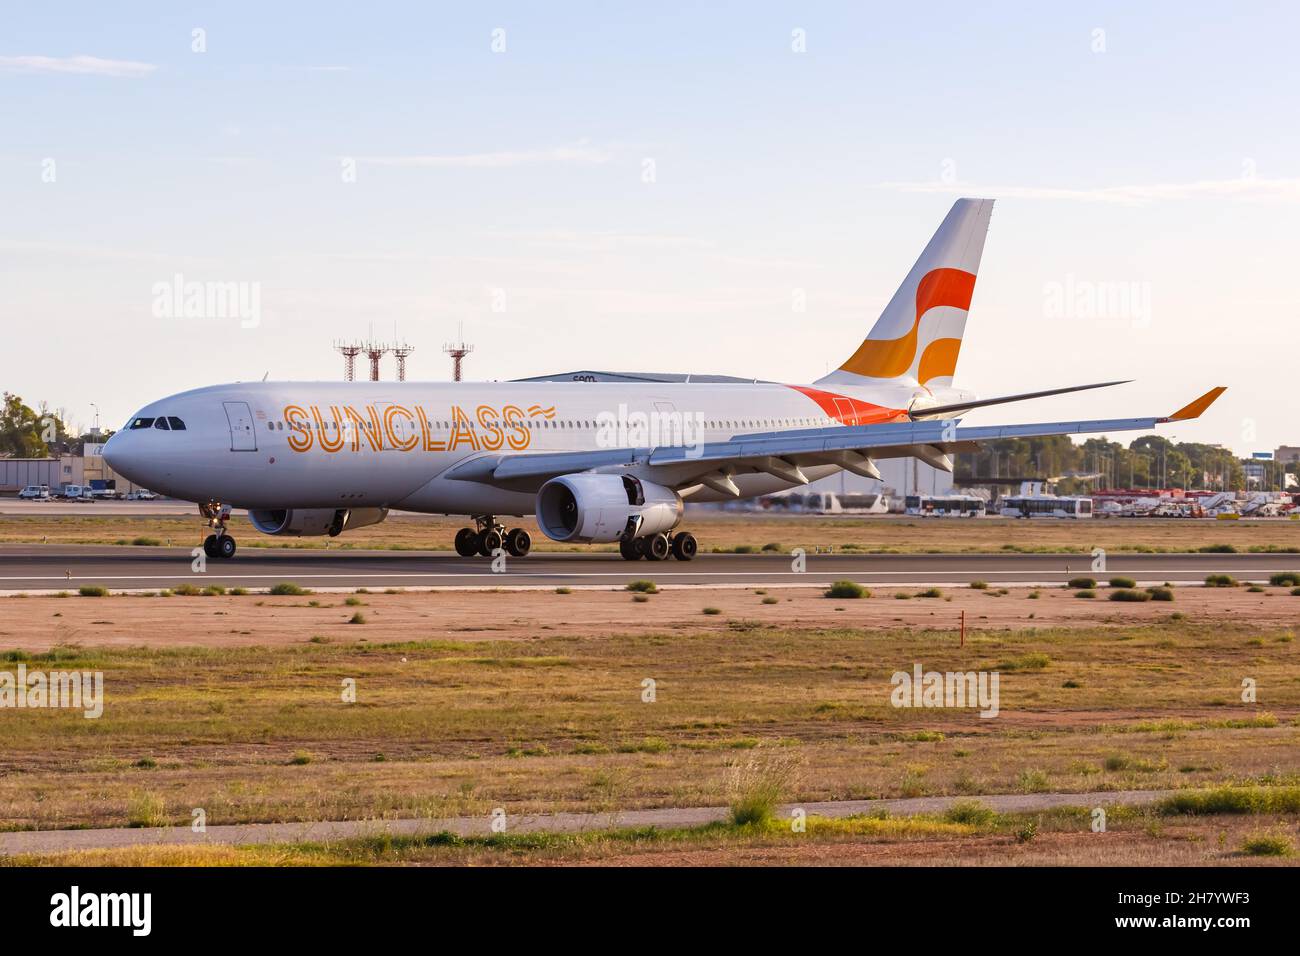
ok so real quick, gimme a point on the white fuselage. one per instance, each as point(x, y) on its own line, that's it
point(390, 444)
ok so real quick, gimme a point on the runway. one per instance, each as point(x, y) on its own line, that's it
point(30, 568)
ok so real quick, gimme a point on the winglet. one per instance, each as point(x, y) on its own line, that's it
point(1195, 409)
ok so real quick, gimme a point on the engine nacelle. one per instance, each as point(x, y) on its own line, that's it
point(587, 508)
point(311, 522)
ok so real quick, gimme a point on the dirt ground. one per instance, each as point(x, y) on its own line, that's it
point(39, 623)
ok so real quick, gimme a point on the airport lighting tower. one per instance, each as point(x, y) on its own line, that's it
point(350, 351)
point(401, 352)
point(375, 351)
point(457, 351)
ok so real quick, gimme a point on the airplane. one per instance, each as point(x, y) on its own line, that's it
point(593, 461)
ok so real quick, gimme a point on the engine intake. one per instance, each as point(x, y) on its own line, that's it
point(311, 522)
point(589, 508)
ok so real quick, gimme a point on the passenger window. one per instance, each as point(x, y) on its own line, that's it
point(162, 423)
point(176, 424)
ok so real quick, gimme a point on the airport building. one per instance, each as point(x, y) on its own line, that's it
point(87, 469)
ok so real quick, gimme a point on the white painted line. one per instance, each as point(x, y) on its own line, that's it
point(281, 575)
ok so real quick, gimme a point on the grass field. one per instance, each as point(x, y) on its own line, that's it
point(718, 532)
point(553, 721)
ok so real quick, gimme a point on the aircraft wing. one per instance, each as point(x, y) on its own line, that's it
point(784, 453)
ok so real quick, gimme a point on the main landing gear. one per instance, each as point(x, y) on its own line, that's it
point(487, 537)
point(657, 547)
point(219, 544)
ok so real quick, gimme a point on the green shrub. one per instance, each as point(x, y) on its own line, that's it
point(1085, 594)
point(357, 618)
point(1217, 549)
point(755, 789)
point(971, 812)
point(1161, 594)
point(1082, 584)
point(930, 593)
point(1122, 582)
point(1286, 578)
point(145, 542)
point(92, 590)
point(1232, 800)
point(1266, 844)
point(643, 586)
point(775, 546)
point(288, 588)
point(979, 585)
point(846, 589)
point(1220, 581)
point(564, 590)
point(146, 810)
point(1128, 594)
point(771, 600)
point(1035, 661)
point(712, 610)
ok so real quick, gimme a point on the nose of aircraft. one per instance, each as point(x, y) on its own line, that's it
point(119, 458)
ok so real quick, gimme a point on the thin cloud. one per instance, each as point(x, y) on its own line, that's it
point(82, 65)
point(583, 154)
point(1243, 187)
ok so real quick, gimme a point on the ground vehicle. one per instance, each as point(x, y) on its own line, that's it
point(35, 493)
point(73, 492)
point(141, 494)
point(945, 506)
point(1045, 506)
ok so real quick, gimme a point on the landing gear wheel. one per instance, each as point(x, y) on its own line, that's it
point(684, 546)
point(210, 546)
point(656, 547)
point(466, 542)
point(628, 548)
point(518, 543)
point(225, 547)
point(488, 542)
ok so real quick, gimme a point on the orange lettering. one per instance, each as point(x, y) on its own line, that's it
point(303, 440)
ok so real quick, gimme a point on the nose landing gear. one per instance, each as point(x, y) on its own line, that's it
point(219, 544)
point(488, 536)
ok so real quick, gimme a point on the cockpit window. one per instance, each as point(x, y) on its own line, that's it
point(161, 423)
point(142, 423)
point(176, 424)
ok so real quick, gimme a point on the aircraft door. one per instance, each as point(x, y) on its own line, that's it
point(242, 435)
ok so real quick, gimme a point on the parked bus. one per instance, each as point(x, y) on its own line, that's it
point(944, 506)
point(1045, 506)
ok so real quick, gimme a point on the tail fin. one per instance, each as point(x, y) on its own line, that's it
point(918, 336)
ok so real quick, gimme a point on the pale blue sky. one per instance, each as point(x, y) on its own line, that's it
point(1169, 159)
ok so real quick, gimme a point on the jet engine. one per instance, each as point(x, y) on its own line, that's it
point(310, 522)
point(588, 508)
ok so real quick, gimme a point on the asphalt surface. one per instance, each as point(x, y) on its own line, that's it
point(54, 841)
point(30, 568)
